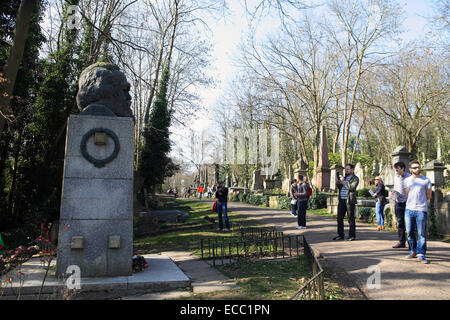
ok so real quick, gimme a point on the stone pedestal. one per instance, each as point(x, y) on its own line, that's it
point(401, 154)
point(435, 172)
point(96, 221)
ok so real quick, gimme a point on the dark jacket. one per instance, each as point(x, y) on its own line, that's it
point(351, 187)
point(222, 195)
point(303, 192)
point(379, 191)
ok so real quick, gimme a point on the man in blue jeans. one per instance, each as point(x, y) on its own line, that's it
point(222, 202)
point(418, 193)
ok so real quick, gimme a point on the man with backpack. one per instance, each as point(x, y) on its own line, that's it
point(302, 202)
point(305, 180)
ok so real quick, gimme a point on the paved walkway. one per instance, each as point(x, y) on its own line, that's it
point(401, 278)
point(204, 278)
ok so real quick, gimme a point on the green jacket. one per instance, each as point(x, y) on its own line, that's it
point(351, 187)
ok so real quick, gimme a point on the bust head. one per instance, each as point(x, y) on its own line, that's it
point(104, 84)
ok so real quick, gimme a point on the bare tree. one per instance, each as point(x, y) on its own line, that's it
point(359, 31)
point(411, 91)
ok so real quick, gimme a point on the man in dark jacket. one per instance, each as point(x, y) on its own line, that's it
point(302, 202)
point(347, 202)
point(222, 203)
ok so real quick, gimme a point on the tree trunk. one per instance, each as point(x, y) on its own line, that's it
point(24, 16)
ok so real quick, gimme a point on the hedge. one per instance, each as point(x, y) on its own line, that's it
point(318, 200)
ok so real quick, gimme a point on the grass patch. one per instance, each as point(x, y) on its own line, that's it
point(263, 279)
point(268, 280)
point(185, 237)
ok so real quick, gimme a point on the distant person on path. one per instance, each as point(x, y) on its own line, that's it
point(302, 202)
point(175, 192)
point(398, 194)
point(210, 192)
point(222, 202)
point(418, 193)
point(293, 195)
point(347, 202)
point(379, 207)
point(200, 192)
point(189, 192)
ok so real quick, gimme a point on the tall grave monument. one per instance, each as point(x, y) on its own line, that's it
point(96, 221)
point(323, 169)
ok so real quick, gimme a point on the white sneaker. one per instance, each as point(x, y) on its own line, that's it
point(298, 227)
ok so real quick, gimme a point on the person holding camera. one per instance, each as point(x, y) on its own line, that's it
point(347, 202)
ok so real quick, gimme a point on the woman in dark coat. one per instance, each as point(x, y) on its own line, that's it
point(380, 195)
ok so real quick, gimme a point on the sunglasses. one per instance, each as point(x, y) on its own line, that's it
point(414, 168)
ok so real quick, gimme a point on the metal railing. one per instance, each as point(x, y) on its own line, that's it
point(314, 288)
point(252, 243)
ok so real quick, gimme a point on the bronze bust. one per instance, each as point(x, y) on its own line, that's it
point(104, 90)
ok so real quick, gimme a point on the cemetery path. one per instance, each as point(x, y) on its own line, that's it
point(401, 278)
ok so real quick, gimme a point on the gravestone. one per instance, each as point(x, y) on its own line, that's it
point(300, 168)
point(434, 170)
point(335, 170)
point(401, 154)
point(322, 181)
point(257, 180)
point(96, 219)
point(359, 172)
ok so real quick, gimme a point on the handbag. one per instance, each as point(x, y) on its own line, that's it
point(214, 208)
point(293, 201)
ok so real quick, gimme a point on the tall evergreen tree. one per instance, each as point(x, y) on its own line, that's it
point(155, 164)
point(14, 140)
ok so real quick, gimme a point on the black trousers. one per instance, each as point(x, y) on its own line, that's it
point(400, 216)
point(301, 213)
point(344, 208)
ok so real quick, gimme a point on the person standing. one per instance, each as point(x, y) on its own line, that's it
point(293, 196)
point(209, 192)
point(379, 207)
point(222, 203)
point(200, 192)
point(418, 193)
point(347, 202)
point(398, 194)
point(302, 202)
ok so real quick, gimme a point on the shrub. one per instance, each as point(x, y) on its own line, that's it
point(284, 202)
point(388, 216)
point(366, 214)
point(364, 193)
point(318, 200)
point(234, 197)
